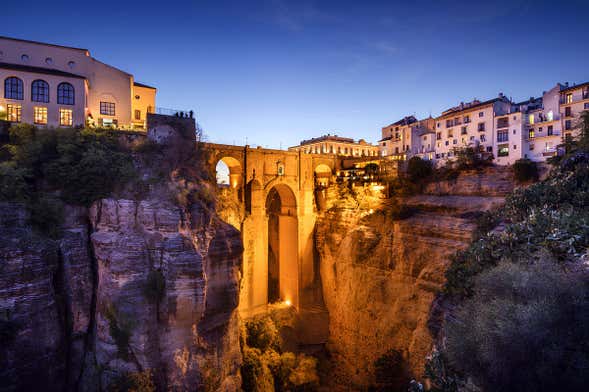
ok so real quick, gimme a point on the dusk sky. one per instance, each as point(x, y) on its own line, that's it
point(280, 71)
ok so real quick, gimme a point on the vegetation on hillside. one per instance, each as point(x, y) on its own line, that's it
point(520, 293)
point(46, 168)
point(267, 368)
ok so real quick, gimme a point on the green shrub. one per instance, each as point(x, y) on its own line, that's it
point(13, 182)
point(418, 169)
point(525, 170)
point(262, 334)
point(525, 329)
point(155, 286)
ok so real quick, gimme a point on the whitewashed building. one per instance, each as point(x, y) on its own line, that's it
point(61, 86)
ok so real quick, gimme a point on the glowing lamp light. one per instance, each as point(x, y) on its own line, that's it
point(287, 302)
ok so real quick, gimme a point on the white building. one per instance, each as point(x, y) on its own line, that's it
point(334, 144)
point(53, 85)
point(408, 137)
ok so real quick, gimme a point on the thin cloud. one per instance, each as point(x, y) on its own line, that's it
point(295, 16)
point(386, 48)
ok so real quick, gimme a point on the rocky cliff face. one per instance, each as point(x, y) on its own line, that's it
point(380, 275)
point(76, 314)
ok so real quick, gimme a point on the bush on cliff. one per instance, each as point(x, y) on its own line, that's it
point(520, 297)
point(84, 165)
point(525, 170)
point(392, 371)
point(266, 368)
point(526, 328)
point(418, 169)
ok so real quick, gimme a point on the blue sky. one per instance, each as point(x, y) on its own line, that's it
point(279, 71)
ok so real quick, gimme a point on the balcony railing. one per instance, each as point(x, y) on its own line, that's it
point(544, 119)
point(574, 99)
point(174, 112)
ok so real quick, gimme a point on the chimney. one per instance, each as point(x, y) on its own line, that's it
point(566, 84)
point(461, 105)
point(500, 95)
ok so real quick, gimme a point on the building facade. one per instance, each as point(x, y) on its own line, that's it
point(531, 129)
point(337, 145)
point(59, 86)
point(408, 137)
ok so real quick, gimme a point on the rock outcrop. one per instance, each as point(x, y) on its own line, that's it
point(380, 276)
point(76, 314)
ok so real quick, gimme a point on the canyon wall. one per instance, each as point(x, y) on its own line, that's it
point(381, 270)
point(75, 314)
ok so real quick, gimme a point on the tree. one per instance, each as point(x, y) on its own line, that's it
point(419, 169)
point(525, 329)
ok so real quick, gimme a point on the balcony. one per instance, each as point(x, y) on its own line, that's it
point(503, 123)
point(543, 120)
point(574, 99)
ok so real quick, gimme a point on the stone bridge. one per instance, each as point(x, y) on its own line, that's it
point(275, 189)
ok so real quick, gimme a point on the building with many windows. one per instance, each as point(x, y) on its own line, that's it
point(509, 131)
point(333, 144)
point(408, 137)
point(60, 86)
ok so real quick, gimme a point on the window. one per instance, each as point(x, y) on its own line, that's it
point(569, 98)
point(65, 117)
point(550, 130)
point(13, 88)
point(567, 111)
point(447, 142)
point(450, 133)
point(483, 138)
point(531, 119)
point(490, 149)
point(531, 146)
point(481, 114)
point(466, 119)
point(40, 115)
point(13, 112)
point(514, 147)
point(550, 116)
point(107, 108)
point(503, 150)
point(539, 129)
point(471, 138)
point(65, 94)
point(567, 124)
point(481, 127)
point(463, 131)
point(454, 141)
point(449, 123)
point(438, 125)
point(502, 136)
point(514, 131)
point(439, 136)
point(502, 122)
point(531, 134)
point(586, 105)
point(40, 91)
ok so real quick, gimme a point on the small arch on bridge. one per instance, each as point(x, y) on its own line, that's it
point(322, 174)
point(283, 268)
point(228, 172)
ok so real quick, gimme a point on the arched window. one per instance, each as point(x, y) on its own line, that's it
point(65, 94)
point(13, 88)
point(39, 91)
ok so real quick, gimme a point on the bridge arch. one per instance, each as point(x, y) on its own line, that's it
point(283, 244)
point(230, 168)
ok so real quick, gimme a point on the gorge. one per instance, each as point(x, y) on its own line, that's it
point(152, 285)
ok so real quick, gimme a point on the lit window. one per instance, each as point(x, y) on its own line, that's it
point(531, 119)
point(65, 117)
point(40, 115)
point(13, 112)
point(531, 134)
point(65, 94)
point(503, 150)
point(13, 88)
point(40, 91)
point(569, 98)
point(550, 116)
point(137, 114)
point(107, 108)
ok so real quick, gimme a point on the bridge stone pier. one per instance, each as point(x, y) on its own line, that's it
point(276, 191)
